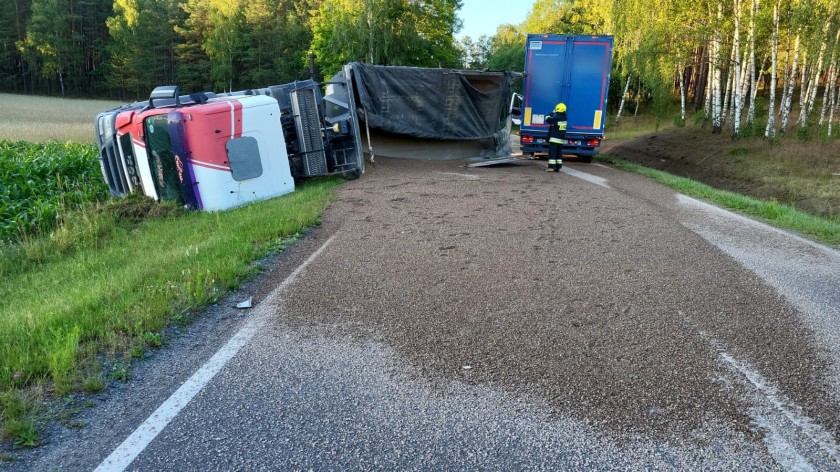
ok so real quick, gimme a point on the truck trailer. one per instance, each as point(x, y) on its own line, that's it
point(574, 70)
point(214, 151)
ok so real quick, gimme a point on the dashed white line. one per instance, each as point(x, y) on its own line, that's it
point(587, 177)
point(466, 176)
point(125, 454)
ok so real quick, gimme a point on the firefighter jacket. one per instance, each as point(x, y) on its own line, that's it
point(557, 128)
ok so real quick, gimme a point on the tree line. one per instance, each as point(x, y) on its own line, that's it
point(758, 67)
point(124, 48)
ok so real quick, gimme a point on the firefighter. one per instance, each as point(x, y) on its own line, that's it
point(556, 137)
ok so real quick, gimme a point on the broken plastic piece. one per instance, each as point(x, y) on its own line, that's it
point(245, 304)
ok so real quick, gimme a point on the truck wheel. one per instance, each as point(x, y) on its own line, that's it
point(353, 174)
point(586, 159)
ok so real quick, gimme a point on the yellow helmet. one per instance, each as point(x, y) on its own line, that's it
point(560, 108)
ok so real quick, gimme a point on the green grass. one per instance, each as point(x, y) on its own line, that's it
point(630, 126)
point(110, 289)
point(772, 212)
point(42, 182)
point(43, 119)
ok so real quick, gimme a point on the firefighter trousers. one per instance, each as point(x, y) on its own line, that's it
point(555, 156)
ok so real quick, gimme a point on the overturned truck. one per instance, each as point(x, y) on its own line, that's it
point(212, 151)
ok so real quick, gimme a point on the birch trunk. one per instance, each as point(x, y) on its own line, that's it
point(745, 81)
point(812, 86)
point(710, 68)
point(736, 80)
point(638, 97)
point(707, 103)
point(701, 79)
point(788, 95)
point(681, 74)
point(833, 107)
point(770, 131)
point(828, 94)
point(785, 78)
point(717, 126)
point(623, 98)
point(727, 95)
point(815, 79)
point(803, 77)
point(753, 80)
point(754, 91)
point(832, 77)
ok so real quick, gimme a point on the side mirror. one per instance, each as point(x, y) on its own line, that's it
point(165, 92)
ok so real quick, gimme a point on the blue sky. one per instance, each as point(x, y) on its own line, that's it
point(483, 16)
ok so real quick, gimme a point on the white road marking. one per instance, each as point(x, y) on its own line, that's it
point(701, 205)
point(587, 177)
point(806, 273)
point(788, 429)
point(781, 450)
point(466, 176)
point(125, 454)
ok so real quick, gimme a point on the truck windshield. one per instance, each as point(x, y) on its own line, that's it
point(166, 168)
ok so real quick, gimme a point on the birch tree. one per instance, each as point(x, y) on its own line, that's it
point(808, 106)
point(752, 68)
point(787, 96)
point(835, 103)
point(623, 99)
point(803, 79)
point(717, 126)
point(736, 47)
point(770, 131)
point(831, 78)
point(681, 78)
point(730, 78)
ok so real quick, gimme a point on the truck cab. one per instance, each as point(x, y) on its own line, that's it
point(217, 151)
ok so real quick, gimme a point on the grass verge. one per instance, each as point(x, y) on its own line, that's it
point(110, 287)
point(777, 214)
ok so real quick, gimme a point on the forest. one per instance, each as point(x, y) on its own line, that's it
point(757, 67)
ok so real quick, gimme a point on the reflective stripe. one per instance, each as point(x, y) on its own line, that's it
point(552, 161)
point(561, 125)
point(557, 140)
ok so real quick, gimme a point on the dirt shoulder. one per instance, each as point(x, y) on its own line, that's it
point(804, 174)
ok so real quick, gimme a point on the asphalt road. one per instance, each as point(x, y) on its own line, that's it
point(497, 318)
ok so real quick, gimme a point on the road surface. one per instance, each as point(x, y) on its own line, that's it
point(497, 318)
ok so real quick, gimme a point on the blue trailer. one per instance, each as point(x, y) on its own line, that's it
point(574, 70)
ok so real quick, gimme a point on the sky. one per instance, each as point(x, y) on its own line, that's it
point(483, 16)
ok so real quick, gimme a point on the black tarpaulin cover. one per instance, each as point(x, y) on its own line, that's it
point(433, 103)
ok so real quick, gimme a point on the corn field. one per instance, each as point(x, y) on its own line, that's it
point(39, 183)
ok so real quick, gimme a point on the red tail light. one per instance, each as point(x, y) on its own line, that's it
point(593, 142)
point(527, 139)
